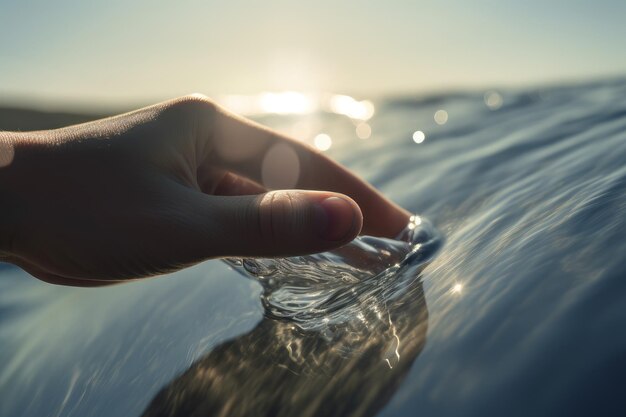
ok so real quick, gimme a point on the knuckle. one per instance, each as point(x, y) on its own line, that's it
point(274, 218)
point(258, 215)
point(196, 99)
point(284, 220)
point(193, 106)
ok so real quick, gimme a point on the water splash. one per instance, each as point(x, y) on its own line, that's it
point(320, 291)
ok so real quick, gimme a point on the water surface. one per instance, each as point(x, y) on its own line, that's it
point(521, 312)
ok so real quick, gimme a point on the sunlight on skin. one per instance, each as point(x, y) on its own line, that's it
point(7, 153)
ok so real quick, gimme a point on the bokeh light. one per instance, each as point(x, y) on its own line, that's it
point(414, 221)
point(419, 136)
point(281, 167)
point(363, 130)
point(323, 142)
point(441, 117)
point(493, 100)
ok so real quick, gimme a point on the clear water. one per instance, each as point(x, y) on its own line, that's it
point(326, 290)
point(520, 312)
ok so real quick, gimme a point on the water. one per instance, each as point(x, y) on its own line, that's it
point(323, 291)
point(520, 311)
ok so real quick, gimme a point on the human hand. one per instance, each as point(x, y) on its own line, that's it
point(167, 186)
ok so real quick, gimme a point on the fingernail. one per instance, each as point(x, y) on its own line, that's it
point(336, 219)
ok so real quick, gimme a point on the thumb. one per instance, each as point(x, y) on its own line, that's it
point(286, 223)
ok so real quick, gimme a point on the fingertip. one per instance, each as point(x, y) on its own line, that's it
point(288, 223)
point(338, 218)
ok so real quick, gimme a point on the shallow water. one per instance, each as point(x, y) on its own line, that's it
point(521, 311)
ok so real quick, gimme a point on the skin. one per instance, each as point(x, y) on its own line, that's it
point(170, 185)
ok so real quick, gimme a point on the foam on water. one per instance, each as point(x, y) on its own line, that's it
point(331, 288)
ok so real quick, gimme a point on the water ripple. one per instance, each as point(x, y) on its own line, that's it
point(332, 288)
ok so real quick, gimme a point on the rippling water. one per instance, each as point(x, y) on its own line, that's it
point(521, 311)
point(325, 292)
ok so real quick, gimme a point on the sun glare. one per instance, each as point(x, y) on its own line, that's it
point(288, 102)
point(348, 106)
point(294, 102)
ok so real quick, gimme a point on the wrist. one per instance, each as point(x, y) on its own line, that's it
point(8, 142)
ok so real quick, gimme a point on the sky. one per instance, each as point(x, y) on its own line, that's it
point(114, 51)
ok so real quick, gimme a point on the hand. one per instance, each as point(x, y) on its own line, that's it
point(167, 186)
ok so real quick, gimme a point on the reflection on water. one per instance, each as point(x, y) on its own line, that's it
point(278, 369)
point(294, 102)
point(329, 289)
point(341, 330)
point(419, 136)
point(525, 300)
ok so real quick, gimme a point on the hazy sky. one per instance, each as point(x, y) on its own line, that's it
point(119, 51)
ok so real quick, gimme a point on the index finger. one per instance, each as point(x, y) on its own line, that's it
point(280, 162)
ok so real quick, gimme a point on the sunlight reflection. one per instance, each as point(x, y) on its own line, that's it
point(293, 102)
point(419, 136)
point(323, 142)
point(288, 102)
point(493, 100)
point(441, 117)
point(348, 106)
point(457, 288)
point(245, 105)
point(414, 221)
point(363, 130)
point(392, 356)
